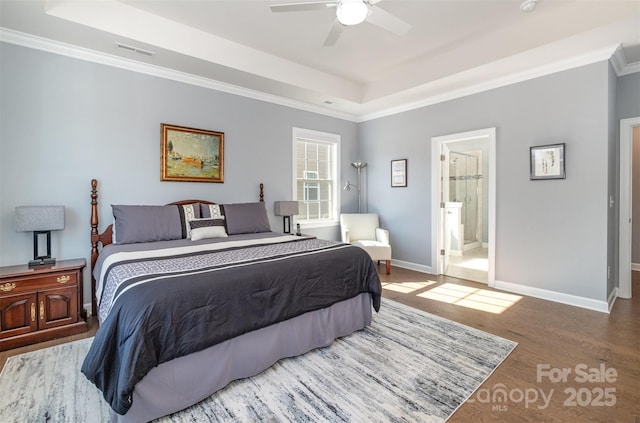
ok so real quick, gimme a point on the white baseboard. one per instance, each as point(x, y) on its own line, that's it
point(558, 297)
point(87, 308)
point(545, 294)
point(635, 267)
point(412, 266)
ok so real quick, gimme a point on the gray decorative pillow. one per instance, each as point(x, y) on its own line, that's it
point(246, 218)
point(153, 223)
point(207, 228)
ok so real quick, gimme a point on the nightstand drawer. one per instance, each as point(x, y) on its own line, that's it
point(17, 285)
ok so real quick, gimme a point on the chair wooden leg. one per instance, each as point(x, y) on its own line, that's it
point(388, 267)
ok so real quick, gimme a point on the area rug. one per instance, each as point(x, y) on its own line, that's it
point(408, 366)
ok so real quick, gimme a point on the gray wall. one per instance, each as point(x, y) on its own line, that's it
point(628, 106)
point(65, 121)
point(550, 234)
point(628, 96)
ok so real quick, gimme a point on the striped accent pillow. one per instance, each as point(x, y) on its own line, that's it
point(213, 211)
point(188, 212)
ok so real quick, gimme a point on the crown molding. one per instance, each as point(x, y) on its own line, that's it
point(469, 88)
point(69, 50)
point(466, 80)
point(620, 65)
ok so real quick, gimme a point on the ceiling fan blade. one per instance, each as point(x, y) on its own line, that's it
point(303, 7)
point(334, 34)
point(385, 20)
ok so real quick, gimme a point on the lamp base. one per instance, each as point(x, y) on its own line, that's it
point(286, 224)
point(47, 261)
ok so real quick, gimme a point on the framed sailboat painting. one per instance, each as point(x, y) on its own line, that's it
point(191, 155)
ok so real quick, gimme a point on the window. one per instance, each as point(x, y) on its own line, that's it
point(315, 164)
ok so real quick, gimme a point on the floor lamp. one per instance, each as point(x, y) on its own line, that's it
point(348, 185)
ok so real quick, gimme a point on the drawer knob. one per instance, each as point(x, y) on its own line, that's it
point(7, 287)
point(64, 279)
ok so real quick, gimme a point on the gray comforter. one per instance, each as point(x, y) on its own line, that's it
point(166, 303)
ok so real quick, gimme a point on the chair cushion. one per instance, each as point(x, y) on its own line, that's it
point(377, 250)
point(360, 226)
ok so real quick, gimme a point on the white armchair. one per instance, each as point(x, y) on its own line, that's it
point(363, 230)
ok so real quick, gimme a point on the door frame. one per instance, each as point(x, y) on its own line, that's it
point(624, 238)
point(437, 239)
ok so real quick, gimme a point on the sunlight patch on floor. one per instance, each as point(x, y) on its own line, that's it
point(475, 298)
point(476, 263)
point(406, 287)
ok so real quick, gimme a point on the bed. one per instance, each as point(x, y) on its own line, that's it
point(193, 295)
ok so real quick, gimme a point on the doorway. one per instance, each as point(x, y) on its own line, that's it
point(463, 205)
point(628, 127)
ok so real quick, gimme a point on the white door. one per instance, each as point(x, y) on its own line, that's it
point(627, 127)
point(445, 212)
point(454, 232)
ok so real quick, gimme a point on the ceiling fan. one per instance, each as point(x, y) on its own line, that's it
point(348, 13)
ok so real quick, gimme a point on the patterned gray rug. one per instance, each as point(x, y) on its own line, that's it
point(408, 366)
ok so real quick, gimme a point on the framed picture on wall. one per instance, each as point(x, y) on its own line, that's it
point(191, 155)
point(399, 173)
point(547, 162)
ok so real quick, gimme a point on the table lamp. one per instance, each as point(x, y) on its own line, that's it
point(40, 220)
point(286, 209)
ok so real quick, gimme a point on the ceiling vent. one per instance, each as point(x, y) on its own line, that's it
point(135, 50)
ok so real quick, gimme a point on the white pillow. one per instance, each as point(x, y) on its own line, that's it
point(207, 228)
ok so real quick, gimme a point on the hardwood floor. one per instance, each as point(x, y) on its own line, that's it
point(548, 334)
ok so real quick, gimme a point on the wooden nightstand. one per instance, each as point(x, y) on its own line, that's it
point(40, 303)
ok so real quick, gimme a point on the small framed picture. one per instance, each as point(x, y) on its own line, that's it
point(399, 173)
point(547, 162)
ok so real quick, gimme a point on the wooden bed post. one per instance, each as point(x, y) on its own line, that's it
point(95, 237)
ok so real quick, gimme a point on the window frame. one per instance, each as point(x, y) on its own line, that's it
point(301, 134)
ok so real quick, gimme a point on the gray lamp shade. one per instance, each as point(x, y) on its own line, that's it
point(39, 218)
point(285, 208)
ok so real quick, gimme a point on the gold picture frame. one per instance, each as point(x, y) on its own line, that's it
point(191, 155)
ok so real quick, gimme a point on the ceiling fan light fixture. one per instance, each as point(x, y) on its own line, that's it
point(528, 5)
point(352, 12)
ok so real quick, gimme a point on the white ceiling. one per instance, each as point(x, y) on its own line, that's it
point(455, 47)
